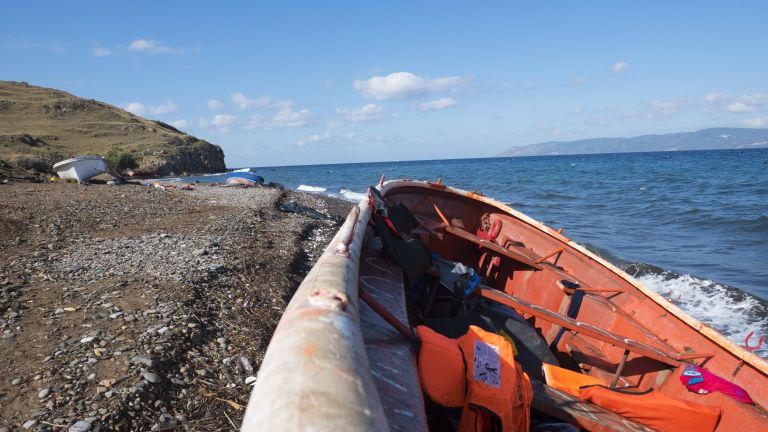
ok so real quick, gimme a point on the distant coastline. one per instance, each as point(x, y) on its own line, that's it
point(418, 161)
point(704, 139)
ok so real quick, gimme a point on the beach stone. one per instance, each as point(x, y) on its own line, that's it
point(16, 381)
point(199, 252)
point(81, 426)
point(29, 423)
point(250, 380)
point(152, 377)
point(142, 359)
point(246, 365)
point(43, 393)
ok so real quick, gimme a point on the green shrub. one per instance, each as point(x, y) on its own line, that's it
point(118, 161)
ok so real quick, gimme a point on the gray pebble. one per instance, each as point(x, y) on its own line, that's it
point(142, 359)
point(152, 377)
point(81, 426)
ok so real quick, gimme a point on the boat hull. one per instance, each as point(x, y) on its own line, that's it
point(320, 354)
point(244, 178)
point(80, 168)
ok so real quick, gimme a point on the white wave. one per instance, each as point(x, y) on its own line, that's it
point(310, 188)
point(242, 170)
point(729, 311)
point(353, 196)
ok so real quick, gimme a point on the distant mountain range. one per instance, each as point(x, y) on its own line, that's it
point(705, 139)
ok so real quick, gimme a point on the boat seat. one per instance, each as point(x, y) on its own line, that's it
point(515, 253)
point(430, 226)
point(629, 345)
point(590, 359)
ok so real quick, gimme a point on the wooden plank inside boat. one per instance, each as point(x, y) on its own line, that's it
point(391, 356)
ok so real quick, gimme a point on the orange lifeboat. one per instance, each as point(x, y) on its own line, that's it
point(345, 355)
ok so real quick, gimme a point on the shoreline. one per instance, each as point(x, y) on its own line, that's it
point(135, 308)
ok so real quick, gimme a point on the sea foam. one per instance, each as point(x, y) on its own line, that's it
point(352, 196)
point(732, 312)
point(310, 188)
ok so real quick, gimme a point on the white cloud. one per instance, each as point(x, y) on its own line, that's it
point(404, 85)
point(215, 105)
point(153, 47)
point(438, 104)
point(620, 67)
point(739, 107)
point(254, 121)
point(526, 86)
point(101, 52)
point(223, 120)
point(168, 107)
point(287, 117)
point(369, 112)
point(329, 83)
point(757, 98)
point(735, 104)
point(715, 98)
point(757, 122)
point(668, 106)
point(315, 138)
point(180, 124)
point(577, 81)
point(135, 108)
point(244, 102)
point(349, 135)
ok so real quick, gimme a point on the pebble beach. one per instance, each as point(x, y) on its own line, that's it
point(136, 308)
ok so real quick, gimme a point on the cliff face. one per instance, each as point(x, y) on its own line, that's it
point(40, 126)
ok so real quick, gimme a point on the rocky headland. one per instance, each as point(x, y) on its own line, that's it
point(41, 126)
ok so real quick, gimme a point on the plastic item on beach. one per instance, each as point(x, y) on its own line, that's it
point(702, 381)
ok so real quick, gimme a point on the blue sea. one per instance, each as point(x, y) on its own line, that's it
point(691, 225)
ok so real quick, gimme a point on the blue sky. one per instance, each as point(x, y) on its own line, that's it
point(285, 83)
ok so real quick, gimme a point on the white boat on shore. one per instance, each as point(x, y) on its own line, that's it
point(80, 168)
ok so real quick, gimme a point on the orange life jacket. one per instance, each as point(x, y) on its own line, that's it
point(655, 410)
point(568, 381)
point(441, 368)
point(477, 372)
